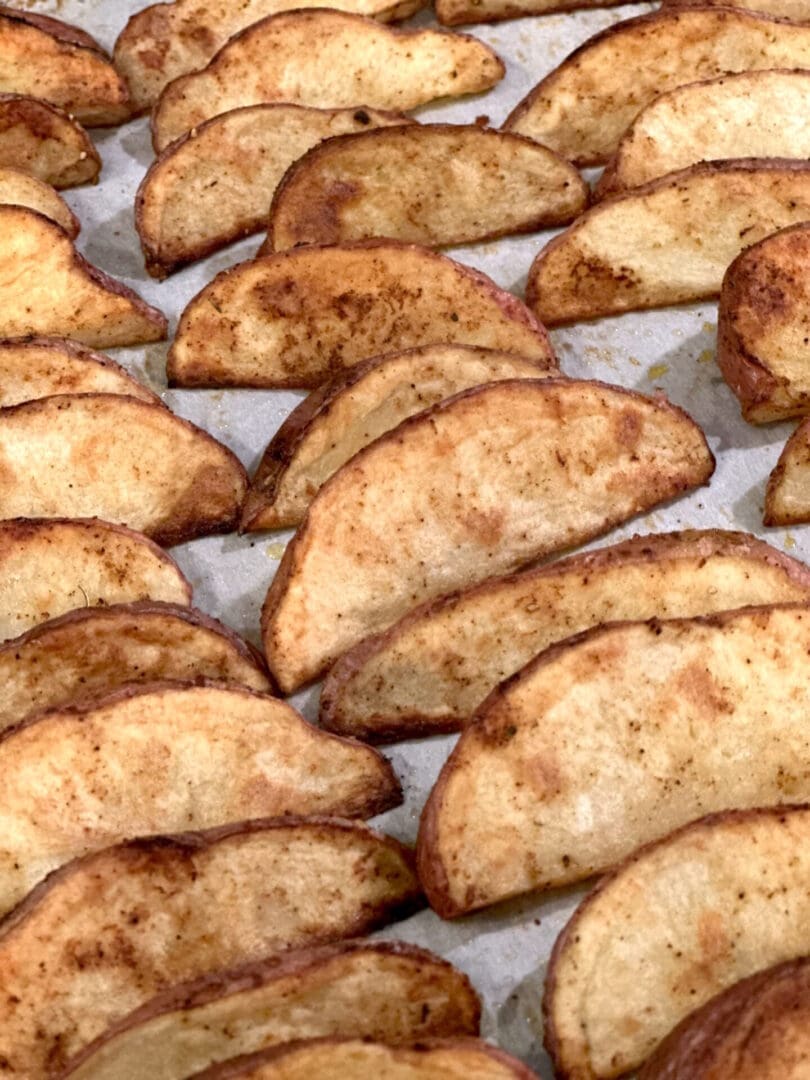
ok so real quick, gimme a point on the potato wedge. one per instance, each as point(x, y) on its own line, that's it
point(795, 10)
point(331, 425)
point(45, 58)
point(435, 184)
point(103, 934)
point(90, 652)
point(46, 142)
point(379, 990)
point(19, 189)
point(679, 921)
point(762, 325)
point(667, 242)
point(120, 459)
point(226, 753)
point(583, 108)
point(461, 12)
point(480, 484)
point(46, 287)
point(50, 567)
point(433, 668)
point(329, 59)
point(215, 184)
point(756, 114)
point(787, 496)
point(291, 320)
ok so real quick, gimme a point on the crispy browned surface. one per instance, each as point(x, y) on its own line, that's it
point(461, 12)
point(103, 934)
point(679, 921)
point(432, 669)
point(585, 105)
point(795, 10)
point(297, 318)
point(329, 59)
point(47, 287)
point(336, 421)
point(666, 242)
point(758, 1029)
point(18, 188)
point(462, 492)
point(46, 142)
point(386, 991)
point(215, 184)
point(120, 459)
point(787, 496)
point(93, 651)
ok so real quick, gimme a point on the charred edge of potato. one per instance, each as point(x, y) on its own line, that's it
point(55, 28)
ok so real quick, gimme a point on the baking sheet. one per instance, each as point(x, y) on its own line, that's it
point(505, 952)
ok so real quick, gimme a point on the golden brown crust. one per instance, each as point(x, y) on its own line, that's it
point(46, 125)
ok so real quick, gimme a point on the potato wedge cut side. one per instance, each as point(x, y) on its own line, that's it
point(92, 651)
point(433, 668)
point(19, 189)
point(381, 990)
point(289, 320)
point(667, 242)
point(583, 108)
point(46, 142)
point(711, 904)
point(356, 407)
point(475, 476)
point(120, 459)
point(215, 184)
point(226, 752)
point(787, 496)
point(46, 287)
point(131, 920)
point(795, 10)
point(328, 59)
point(435, 184)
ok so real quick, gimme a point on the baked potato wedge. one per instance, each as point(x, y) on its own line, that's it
point(583, 108)
point(293, 320)
point(435, 184)
point(329, 59)
point(682, 919)
point(787, 496)
point(226, 753)
point(120, 459)
point(353, 409)
point(91, 652)
point(50, 567)
point(461, 12)
point(47, 287)
point(795, 10)
point(380, 990)
point(103, 934)
point(432, 669)
point(667, 242)
point(20, 189)
point(482, 483)
point(214, 185)
point(46, 142)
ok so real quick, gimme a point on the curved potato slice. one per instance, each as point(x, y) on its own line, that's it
point(46, 287)
point(795, 10)
point(215, 184)
point(19, 189)
point(787, 496)
point(435, 184)
point(331, 425)
point(586, 104)
point(433, 668)
point(92, 651)
point(226, 754)
point(461, 12)
point(46, 142)
point(758, 114)
point(652, 723)
point(329, 59)
point(710, 904)
point(46, 58)
point(667, 242)
point(297, 318)
point(50, 567)
point(480, 484)
point(380, 990)
point(103, 934)
point(120, 459)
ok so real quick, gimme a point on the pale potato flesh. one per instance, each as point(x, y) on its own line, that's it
point(45, 142)
point(667, 242)
point(495, 477)
point(300, 317)
point(787, 497)
point(329, 59)
point(105, 933)
point(19, 189)
point(680, 921)
point(334, 423)
point(434, 667)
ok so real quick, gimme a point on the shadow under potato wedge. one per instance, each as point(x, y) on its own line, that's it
point(18, 188)
point(328, 59)
point(300, 317)
point(478, 485)
point(45, 141)
point(787, 496)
